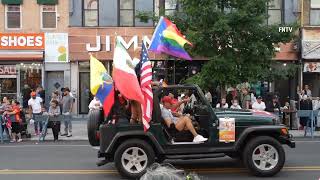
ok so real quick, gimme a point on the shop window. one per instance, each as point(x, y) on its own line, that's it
point(13, 17)
point(31, 75)
point(274, 12)
point(90, 12)
point(48, 16)
point(170, 6)
point(126, 13)
point(315, 12)
point(84, 90)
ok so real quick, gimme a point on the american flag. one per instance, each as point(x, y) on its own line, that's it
point(145, 83)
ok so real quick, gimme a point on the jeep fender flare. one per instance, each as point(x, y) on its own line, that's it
point(138, 134)
point(255, 129)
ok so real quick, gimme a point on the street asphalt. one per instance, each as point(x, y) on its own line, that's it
point(75, 160)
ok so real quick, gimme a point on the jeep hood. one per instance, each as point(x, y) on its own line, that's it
point(245, 114)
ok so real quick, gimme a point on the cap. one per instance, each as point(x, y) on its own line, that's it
point(33, 93)
point(259, 97)
point(167, 99)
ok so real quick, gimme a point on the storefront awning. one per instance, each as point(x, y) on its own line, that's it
point(21, 55)
point(11, 1)
point(47, 2)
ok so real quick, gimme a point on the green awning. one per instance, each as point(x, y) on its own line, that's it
point(11, 1)
point(47, 2)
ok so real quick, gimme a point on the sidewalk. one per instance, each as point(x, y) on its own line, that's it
point(79, 132)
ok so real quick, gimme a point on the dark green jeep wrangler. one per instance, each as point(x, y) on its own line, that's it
point(255, 137)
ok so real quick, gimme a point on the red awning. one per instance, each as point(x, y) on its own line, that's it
point(21, 55)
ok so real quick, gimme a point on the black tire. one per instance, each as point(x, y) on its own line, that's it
point(133, 143)
point(93, 124)
point(248, 153)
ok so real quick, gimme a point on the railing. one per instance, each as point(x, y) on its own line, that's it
point(310, 114)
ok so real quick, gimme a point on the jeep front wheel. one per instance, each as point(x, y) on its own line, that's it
point(133, 157)
point(264, 156)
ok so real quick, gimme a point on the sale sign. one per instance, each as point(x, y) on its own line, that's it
point(227, 130)
point(22, 41)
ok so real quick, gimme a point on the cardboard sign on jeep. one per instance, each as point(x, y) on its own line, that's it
point(255, 137)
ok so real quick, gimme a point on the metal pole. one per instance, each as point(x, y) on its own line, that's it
point(1, 131)
point(312, 119)
point(174, 71)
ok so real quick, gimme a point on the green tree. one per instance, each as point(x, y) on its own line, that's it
point(234, 36)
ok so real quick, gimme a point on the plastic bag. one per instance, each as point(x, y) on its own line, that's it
point(167, 172)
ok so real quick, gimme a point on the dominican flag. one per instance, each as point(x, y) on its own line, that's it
point(145, 83)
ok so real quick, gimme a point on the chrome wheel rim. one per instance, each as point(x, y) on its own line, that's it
point(134, 160)
point(265, 157)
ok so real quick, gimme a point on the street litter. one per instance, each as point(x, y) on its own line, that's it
point(167, 172)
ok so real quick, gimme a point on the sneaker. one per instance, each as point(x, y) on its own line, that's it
point(20, 140)
point(65, 134)
point(12, 140)
point(69, 135)
point(199, 138)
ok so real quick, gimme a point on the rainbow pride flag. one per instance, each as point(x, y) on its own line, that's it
point(168, 39)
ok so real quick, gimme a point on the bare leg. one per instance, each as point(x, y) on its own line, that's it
point(136, 113)
point(185, 122)
point(13, 136)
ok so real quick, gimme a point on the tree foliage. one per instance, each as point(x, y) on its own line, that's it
point(234, 36)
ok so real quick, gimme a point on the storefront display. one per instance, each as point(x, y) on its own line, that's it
point(21, 62)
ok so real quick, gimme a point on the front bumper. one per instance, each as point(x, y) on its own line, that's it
point(289, 141)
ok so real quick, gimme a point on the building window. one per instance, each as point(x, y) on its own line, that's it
point(170, 6)
point(13, 17)
point(126, 13)
point(48, 17)
point(274, 12)
point(315, 12)
point(90, 15)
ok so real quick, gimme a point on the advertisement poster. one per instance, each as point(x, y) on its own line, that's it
point(227, 130)
point(311, 67)
point(56, 47)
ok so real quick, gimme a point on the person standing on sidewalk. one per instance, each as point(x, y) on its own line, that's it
point(54, 111)
point(35, 109)
point(67, 105)
point(16, 124)
point(259, 104)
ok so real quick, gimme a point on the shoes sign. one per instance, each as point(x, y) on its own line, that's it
point(22, 41)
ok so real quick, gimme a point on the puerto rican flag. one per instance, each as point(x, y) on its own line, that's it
point(145, 83)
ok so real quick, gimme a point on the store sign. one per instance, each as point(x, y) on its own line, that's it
point(8, 70)
point(56, 47)
point(133, 41)
point(22, 41)
point(311, 67)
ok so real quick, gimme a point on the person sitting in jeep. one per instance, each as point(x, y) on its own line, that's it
point(178, 121)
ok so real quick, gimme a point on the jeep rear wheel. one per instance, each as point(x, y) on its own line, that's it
point(133, 157)
point(94, 121)
point(264, 156)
